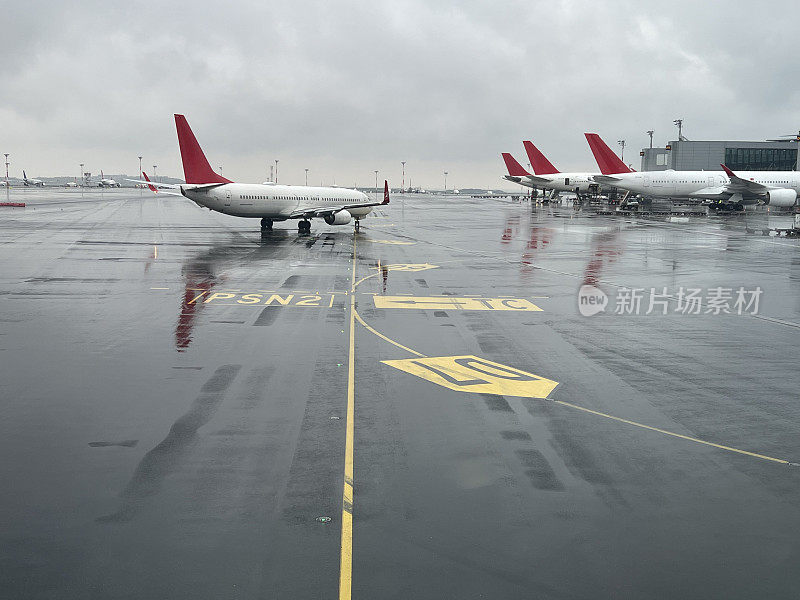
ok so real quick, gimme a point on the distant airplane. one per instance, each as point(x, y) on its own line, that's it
point(71, 184)
point(548, 177)
point(104, 182)
point(32, 182)
point(267, 201)
point(725, 188)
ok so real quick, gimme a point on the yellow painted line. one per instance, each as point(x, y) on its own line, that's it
point(476, 375)
point(159, 288)
point(453, 303)
point(384, 338)
point(391, 242)
point(346, 560)
point(673, 434)
point(606, 415)
point(155, 252)
point(196, 298)
point(364, 279)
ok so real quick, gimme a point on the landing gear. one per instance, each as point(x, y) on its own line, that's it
point(266, 224)
point(304, 226)
point(358, 224)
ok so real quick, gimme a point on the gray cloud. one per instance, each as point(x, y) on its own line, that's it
point(344, 88)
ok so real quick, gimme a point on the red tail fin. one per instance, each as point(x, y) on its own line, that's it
point(195, 164)
point(385, 192)
point(608, 162)
point(514, 168)
point(540, 164)
point(150, 185)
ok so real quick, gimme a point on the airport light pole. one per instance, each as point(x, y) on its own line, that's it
point(140, 176)
point(679, 123)
point(276, 170)
point(6, 155)
point(445, 182)
point(306, 177)
point(376, 186)
point(650, 132)
point(403, 180)
point(154, 172)
point(622, 154)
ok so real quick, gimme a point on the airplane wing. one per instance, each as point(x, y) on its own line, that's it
point(171, 186)
point(607, 179)
point(739, 185)
point(539, 180)
point(322, 211)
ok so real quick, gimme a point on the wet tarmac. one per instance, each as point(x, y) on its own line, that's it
point(174, 403)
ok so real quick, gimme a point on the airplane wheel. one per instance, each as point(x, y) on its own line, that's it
point(266, 224)
point(304, 226)
point(358, 224)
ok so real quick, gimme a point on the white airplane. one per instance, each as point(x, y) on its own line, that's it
point(724, 188)
point(71, 184)
point(268, 201)
point(547, 176)
point(33, 182)
point(104, 182)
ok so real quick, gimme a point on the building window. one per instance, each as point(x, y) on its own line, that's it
point(761, 159)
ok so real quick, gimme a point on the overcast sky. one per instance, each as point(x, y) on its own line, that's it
point(344, 88)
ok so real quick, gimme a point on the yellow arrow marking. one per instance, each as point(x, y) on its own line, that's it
point(452, 303)
point(476, 375)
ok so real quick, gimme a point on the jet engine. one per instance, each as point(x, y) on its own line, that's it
point(781, 197)
point(342, 217)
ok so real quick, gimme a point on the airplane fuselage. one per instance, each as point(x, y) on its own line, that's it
point(580, 183)
point(276, 202)
point(707, 185)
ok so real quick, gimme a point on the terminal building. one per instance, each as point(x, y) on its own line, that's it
point(685, 155)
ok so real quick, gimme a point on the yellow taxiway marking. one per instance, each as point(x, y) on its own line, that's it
point(426, 373)
point(383, 337)
point(391, 242)
point(476, 375)
point(676, 435)
point(346, 560)
point(159, 288)
point(236, 298)
point(452, 303)
point(413, 267)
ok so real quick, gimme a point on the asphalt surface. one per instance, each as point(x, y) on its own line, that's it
point(173, 392)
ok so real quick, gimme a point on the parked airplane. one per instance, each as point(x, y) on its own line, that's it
point(548, 177)
point(104, 182)
point(516, 172)
point(268, 201)
point(725, 188)
point(33, 182)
